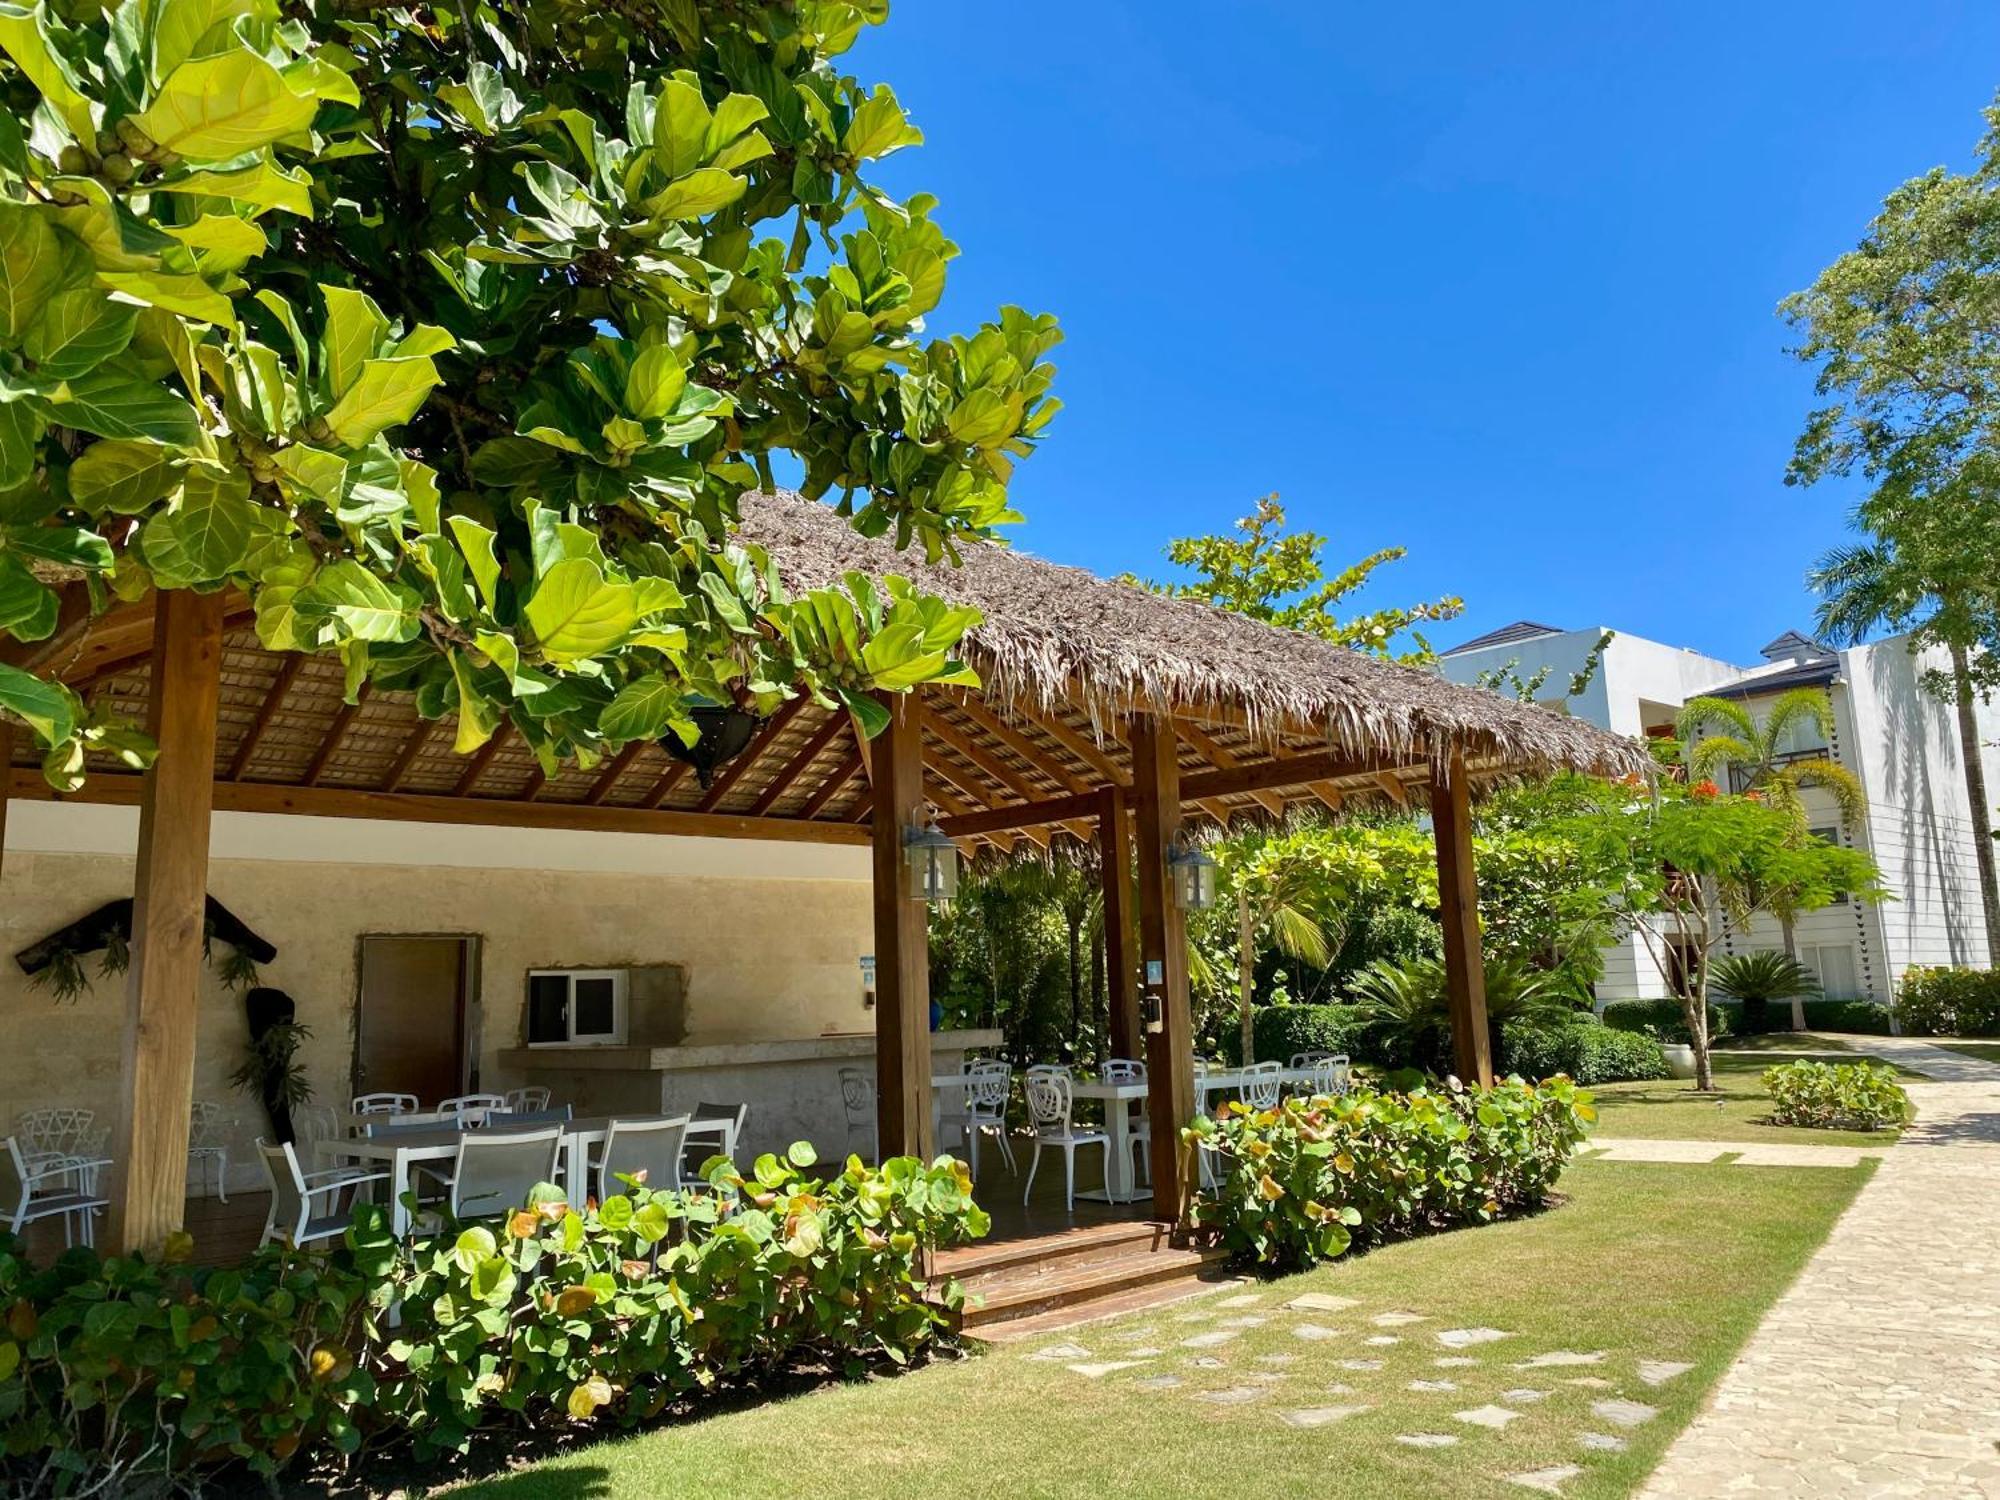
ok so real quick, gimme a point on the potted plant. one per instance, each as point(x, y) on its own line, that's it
point(1679, 1055)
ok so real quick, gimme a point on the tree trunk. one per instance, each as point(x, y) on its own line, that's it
point(1975, 795)
point(1246, 973)
point(1790, 929)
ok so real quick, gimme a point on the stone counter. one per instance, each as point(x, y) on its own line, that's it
point(792, 1085)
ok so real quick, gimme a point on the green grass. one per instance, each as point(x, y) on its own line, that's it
point(1783, 1041)
point(1672, 1110)
point(1643, 1263)
point(1985, 1051)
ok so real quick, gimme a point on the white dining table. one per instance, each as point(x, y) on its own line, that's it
point(1120, 1182)
point(405, 1148)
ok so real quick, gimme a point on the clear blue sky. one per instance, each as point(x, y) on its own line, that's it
point(1492, 282)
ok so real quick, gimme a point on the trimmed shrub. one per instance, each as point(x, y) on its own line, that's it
point(1302, 1182)
point(1584, 1051)
point(1664, 1020)
point(1863, 1016)
point(1949, 1002)
point(122, 1374)
point(1282, 1030)
point(1846, 1096)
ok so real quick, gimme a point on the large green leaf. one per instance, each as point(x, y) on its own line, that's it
point(697, 195)
point(385, 393)
point(120, 476)
point(28, 607)
point(360, 605)
point(355, 329)
point(189, 296)
point(77, 331)
point(264, 184)
point(476, 542)
point(25, 37)
point(641, 710)
point(204, 535)
point(20, 430)
point(222, 106)
point(42, 706)
point(113, 403)
point(36, 259)
point(575, 613)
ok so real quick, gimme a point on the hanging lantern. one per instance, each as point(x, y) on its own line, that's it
point(933, 862)
point(1194, 875)
point(725, 734)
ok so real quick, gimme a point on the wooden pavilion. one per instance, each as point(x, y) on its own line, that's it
point(1107, 713)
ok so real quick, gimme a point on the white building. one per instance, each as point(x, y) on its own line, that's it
point(1899, 740)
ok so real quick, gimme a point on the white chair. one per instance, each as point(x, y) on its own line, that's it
point(1047, 1089)
point(60, 1184)
point(649, 1150)
point(470, 1109)
point(316, 1136)
point(1331, 1074)
point(1263, 1085)
point(702, 1145)
point(857, 1103)
point(1131, 1070)
point(1304, 1060)
point(529, 1100)
point(205, 1146)
point(383, 1104)
point(55, 1132)
point(298, 1217)
point(987, 1085)
point(495, 1170)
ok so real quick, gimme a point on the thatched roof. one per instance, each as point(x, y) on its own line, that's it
point(1055, 635)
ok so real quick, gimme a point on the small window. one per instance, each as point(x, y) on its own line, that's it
point(568, 1007)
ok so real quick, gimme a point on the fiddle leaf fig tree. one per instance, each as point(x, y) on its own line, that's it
point(450, 336)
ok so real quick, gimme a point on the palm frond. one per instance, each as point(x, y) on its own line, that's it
point(1709, 754)
point(1799, 706)
point(1297, 935)
point(1839, 783)
point(1698, 713)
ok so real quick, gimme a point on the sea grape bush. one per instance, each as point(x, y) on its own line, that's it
point(449, 335)
point(120, 1370)
point(1843, 1096)
point(1938, 1001)
point(1300, 1183)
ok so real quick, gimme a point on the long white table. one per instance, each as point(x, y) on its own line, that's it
point(400, 1151)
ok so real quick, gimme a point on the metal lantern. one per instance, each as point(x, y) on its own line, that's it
point(725, 734)
point(933, 861)
point(1194, 875)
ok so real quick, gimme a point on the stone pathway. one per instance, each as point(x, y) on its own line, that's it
point(1878, 1373)
point(1741, 1153)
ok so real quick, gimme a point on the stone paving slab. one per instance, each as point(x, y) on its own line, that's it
point(1660, 1151)
point(1878, 1372)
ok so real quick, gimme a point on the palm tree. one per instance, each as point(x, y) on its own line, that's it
point(1758, 752)
point(1866, 589)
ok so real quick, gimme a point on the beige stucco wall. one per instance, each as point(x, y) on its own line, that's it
point(767, 955)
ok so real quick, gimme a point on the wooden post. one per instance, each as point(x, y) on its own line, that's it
point(163, 991)
point(1121, 973)
point(902, 941)
point(1170, 1104)
point(1458, 914)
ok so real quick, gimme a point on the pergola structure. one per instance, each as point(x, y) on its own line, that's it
point(1106, 713)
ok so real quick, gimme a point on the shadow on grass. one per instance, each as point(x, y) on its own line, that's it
point(591, 1483)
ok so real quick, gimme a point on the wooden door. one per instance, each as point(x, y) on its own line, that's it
point(410, 1031)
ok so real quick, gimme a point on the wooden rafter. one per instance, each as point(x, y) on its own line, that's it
point(288, 671)
point(1223, 759)
point(980, 756)
point(836, 779)
point(1082, 746)
point(1021, 745)
point(1327, 765)
point(968, 783)
point(481, 759)
point(669, 779)
point(766, 738)
point(413, 746)
point(1391, 783)
point(335, 733)
point(796, 766)
point(613, 769)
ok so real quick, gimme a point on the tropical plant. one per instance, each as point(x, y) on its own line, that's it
point(1582, 1050)
point(1845, 1096)
point(451, 336)
point(1285, 900)
point(1507, 678)
point(1938, 1001)
point(1756, 979)
point(1302, 1182)
point(271, 1069)
point(1408, 1009)
point(1268, 573)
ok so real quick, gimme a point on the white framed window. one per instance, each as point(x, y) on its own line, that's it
point(577, 1007)
point(1834, 965)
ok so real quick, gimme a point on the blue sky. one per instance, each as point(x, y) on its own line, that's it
point(1492, 282)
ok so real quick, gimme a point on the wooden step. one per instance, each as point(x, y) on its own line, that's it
point(1046, 1251)
point(1074, 1276)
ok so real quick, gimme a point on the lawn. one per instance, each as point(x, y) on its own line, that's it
point(1985, 1051)
point(1645, 1263)
point(1785, 1041)
point(1672, 1110)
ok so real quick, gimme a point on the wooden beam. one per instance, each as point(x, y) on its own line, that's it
point(336, 731)
point(981, 800)
point(1015, 815)
point(477, 812)
point(1298, 770)
point(1170, 1102)
point(796, 766)
point(532, 787)
point(1018, 742)
point(482, 758)
point(767, 736)
point(836, 779)
point(902, 956)
point(413, 746)
point(980, 756)
point(1081, 746)
point(1458, 915)
point(669, 779)
point(613, 770)
point(1114, 860)
point(1391, 783)
point(163, 990)
point(1223, 760)
point(288, 671)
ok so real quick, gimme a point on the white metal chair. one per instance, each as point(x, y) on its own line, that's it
point(1131, 1070)
point(529, 1100)
point(1331, 1074)
point(470, 1109)
point(60, 1184)
point(700, 1147)
point(987, 1085)
point(857, 1103)
point(384, 1104)
point(1263, 1085)
point(495, 1170)
point(298, 1217)
point(316, 1137)
point(55, 1132)
point(649, 1150)
point(205, 1146)
point(1049, 1103)
point(1304, 1060)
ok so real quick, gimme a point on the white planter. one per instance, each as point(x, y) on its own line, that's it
point(1680, 1059)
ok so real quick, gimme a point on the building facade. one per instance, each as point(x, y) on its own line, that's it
point(1899, 739)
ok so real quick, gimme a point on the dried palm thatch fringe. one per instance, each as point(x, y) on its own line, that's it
point(1053, 635)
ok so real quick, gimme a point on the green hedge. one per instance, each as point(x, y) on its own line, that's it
point(1664, 1018)
point(1849, 1096)
point(121, 1375)
point(1585, 1051)
point(1282, 1030)
point(1301, 1182)
point(1727, 1018)
point(1949, 1002)
point(1863, 1016)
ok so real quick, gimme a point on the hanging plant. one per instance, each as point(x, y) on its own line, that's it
point(62, 976)
point(56, 962)
point(272, 1069)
